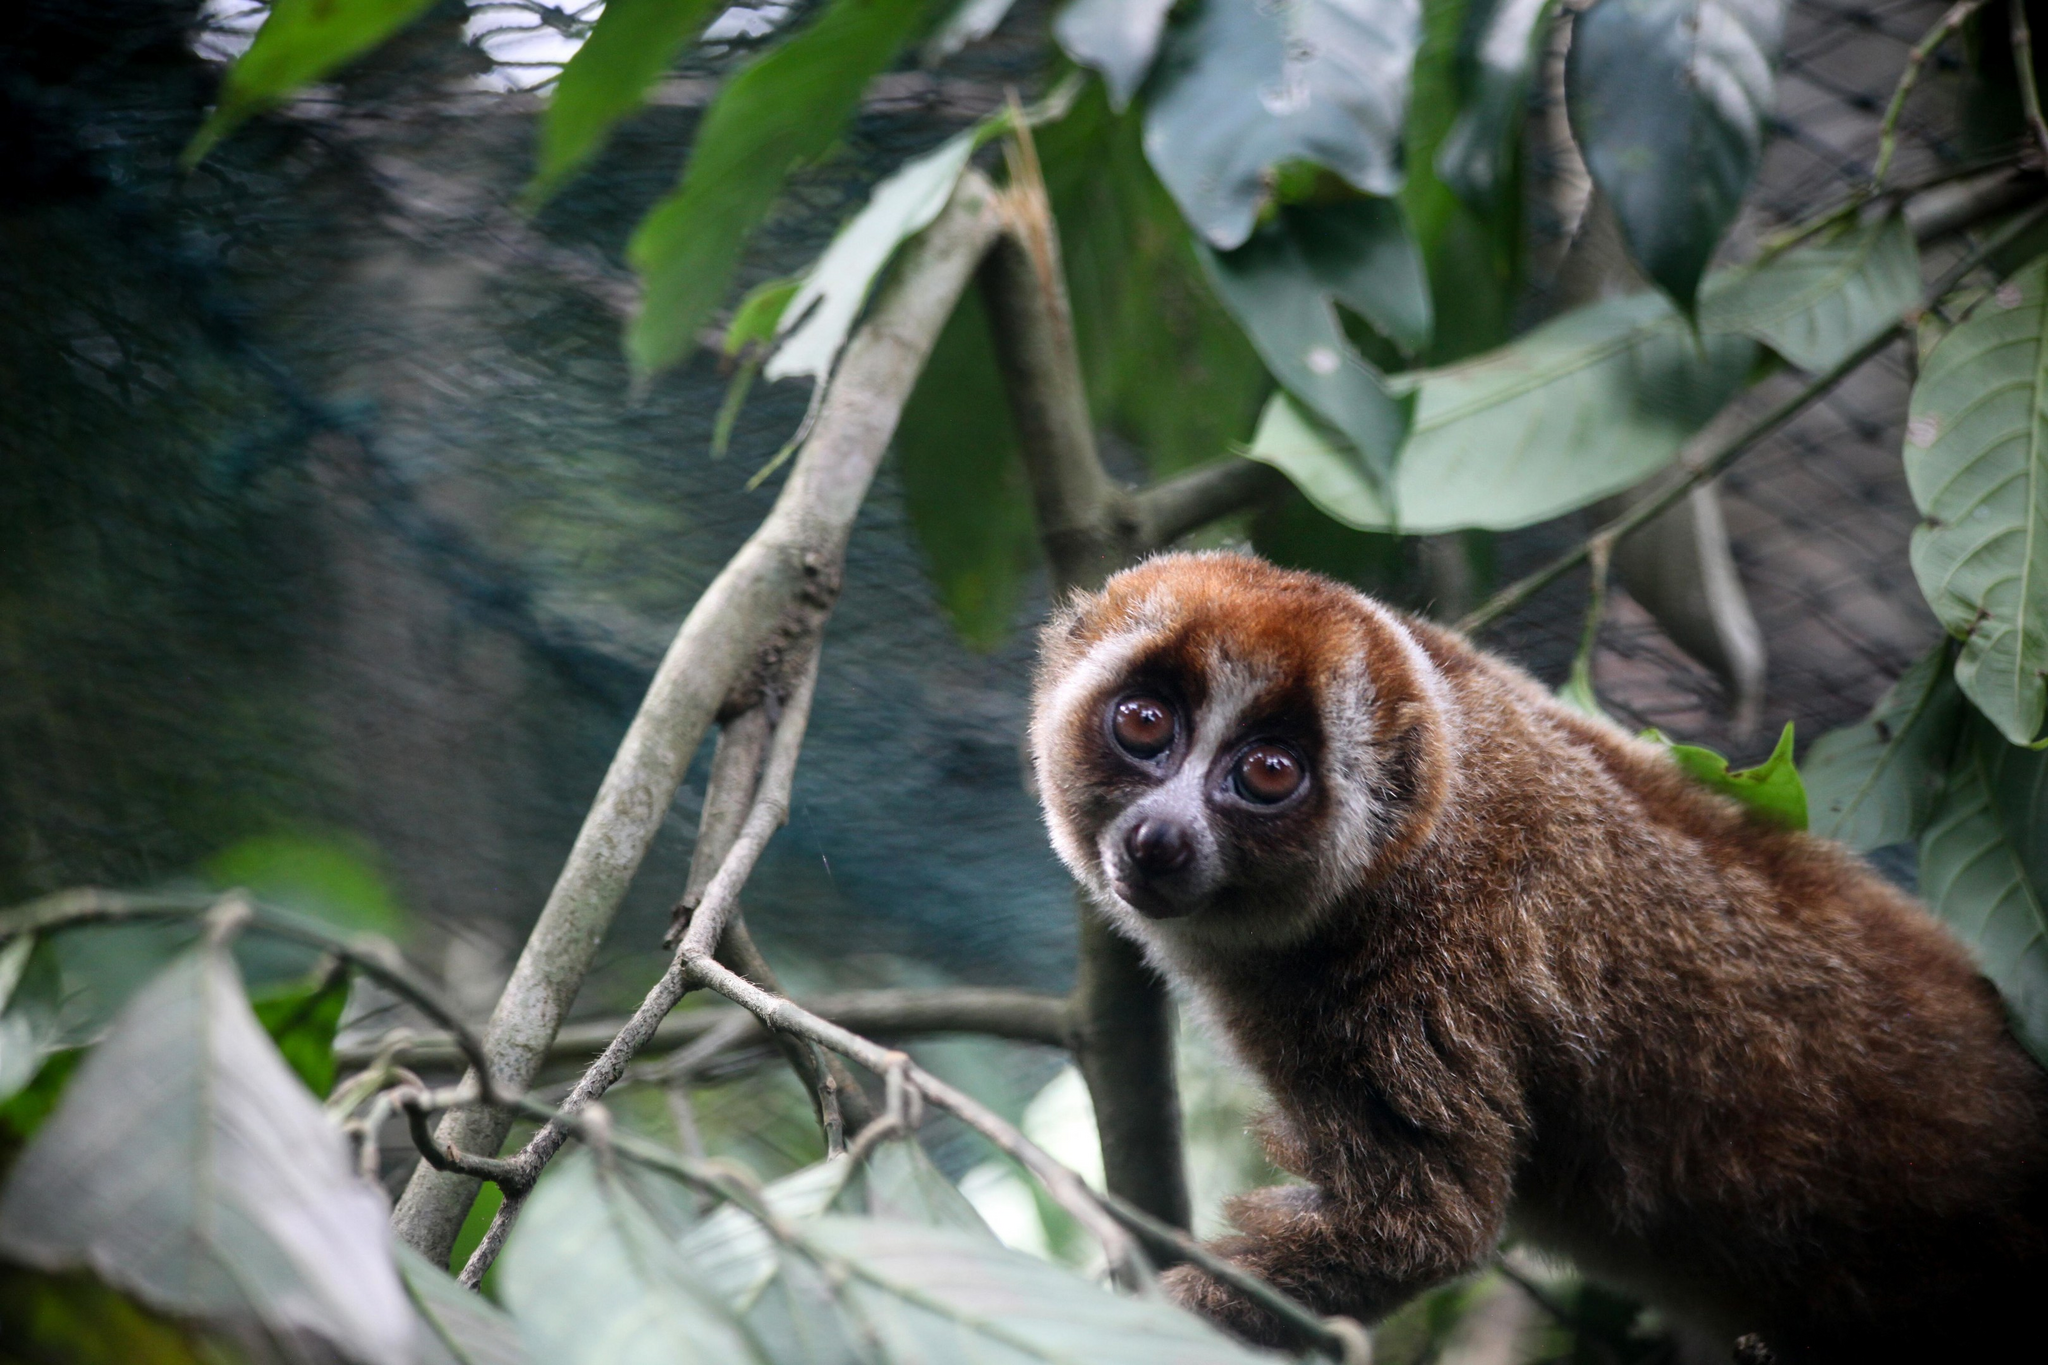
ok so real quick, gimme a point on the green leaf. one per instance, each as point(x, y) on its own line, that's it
point(1977, 461)
point(900, 1183)
point(334, 879)
point(459, 1327)
point(633, 45)
point(1814, 305)
point(1984, 883)
point(301, 1021)
point(963, 481)
point(814, 325)
point(784, 108)
point(759, 313)
point(1243, 88)
point(29, 1107)
point(1495, 61)
point(1877, 782)
point(1117, 38)
point(593, 1279)
point(1670, 101)
point(22, 1034)
point(300, 42)
point(1772, 789)
point(186, 1165)
point(77, 1320)
point(937, 1294)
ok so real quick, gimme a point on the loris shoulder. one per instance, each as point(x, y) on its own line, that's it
point(1500, 964)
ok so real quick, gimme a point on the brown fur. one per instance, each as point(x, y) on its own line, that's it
point(1557, 986)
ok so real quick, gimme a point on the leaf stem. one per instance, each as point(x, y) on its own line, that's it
point(2023, 68)
point(1957, 15)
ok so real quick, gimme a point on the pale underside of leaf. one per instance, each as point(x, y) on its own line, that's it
point(1877, 782)
point(1817, 304)
point(460, 1326)
point(1117, 38)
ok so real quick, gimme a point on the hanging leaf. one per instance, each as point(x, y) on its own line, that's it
point(632, 46)
point(814, 325)
point(1877, 782)
point(937, 1294)
point(1495, 60)
point(1772, 789)
point(1243, 88)
point(593, 1279)
point(1983, 882)
point(1117, 38)
point(188, 1166)
point(458, 1326)
point(783, 109)
point(300, 41)
point(1670, 101)
point(301, 1020)
point(1976, 459)
point(1816, 304)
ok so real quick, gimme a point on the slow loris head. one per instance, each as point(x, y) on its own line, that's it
point(1231, 747)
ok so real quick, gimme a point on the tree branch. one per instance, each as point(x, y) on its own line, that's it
point(1187, 502)
point(768, 602)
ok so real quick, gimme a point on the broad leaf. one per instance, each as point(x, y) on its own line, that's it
point(457, 1326)
point(301, 41)
point(935, 1294)
point(1245, 87)
point(632, 46)
point(1816, 304)
point(1117, 38)
point(1877, 782)
point(188, 1166)
point(900, 1183)
point(301, 1020)
point(1981, 882)
point(1495, 61)
point(22, 1034)
point(593, 1279)
point(1976, 459)
point(1670, 101)
point(1584, 406)
point(784, 108)
point(814, 325)
point(1772, 789)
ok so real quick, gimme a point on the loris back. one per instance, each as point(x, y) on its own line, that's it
point(1502, 965)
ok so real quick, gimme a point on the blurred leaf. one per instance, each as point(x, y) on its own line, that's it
point(784, 108)
point(937, 1294)
point(22, 1034)
point(1817, 303)
point(1982, 883)
point(633, 45)
point(26, 1110)
point(458, 1327)
point(1117, 38)
point(1772, 789)
point(594, 1280)
point(186, 1165)
point(963, 483)
point(899, 1183)
point(734, 1256)
point(1577, 690)
point(1495, 60)
point(302, 1021)
point(1168, 369)
point(1243, 88)
point(1976, 457)
point(760, 313)
point(970, 22)
point(1670, 101)
point(1877, 782)
point(76, 1320)
point(1283, 300)
point(335, 880)
point(814, 324)
point(300, 41)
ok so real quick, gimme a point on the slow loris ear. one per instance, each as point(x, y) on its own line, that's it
point(1412, 779)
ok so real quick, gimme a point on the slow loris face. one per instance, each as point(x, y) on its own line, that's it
point(1226, 745)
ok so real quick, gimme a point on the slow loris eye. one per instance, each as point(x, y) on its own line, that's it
point(1143, 727)
point(1267, 773)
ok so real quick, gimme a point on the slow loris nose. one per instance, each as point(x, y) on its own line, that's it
point(1159, 847)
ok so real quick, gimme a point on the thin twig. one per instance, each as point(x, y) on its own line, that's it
point(2023, 67)
point(493, 1241)
point(1725, 454)
point(1888, 127)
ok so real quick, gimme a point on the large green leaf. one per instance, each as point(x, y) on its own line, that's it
point(1976, 459)
point(594, 1279)
point(301, 41)
point(783, 109)
point(1815, 305)
point(188, 1166)
point(633, 44)
point(1877, 782)
point(459, 1326)
point(1982, 880)
point(1244, 87)
point(301, 1020)
point(1670, 101)
point(1496, 57)
point(1117, 38)
point(1584, 406)
point(933, 1294)
point(1772, 789)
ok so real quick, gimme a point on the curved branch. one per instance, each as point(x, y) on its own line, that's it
point(1187, 502)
